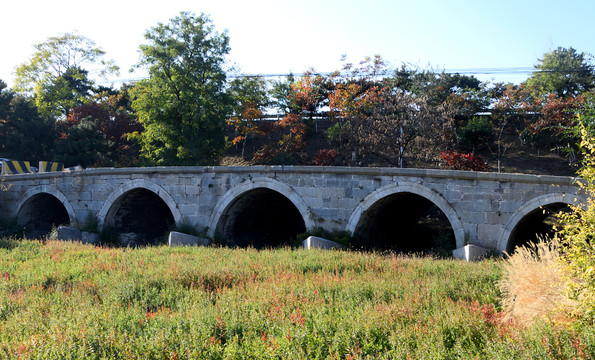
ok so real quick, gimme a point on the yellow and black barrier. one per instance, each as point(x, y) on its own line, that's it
point(48, 166)
point(15, 167)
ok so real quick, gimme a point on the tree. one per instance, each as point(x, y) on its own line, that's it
point(57, 98)
point(477, 132)
point(281, 94)
point(564, 72)
point(467, 93)
point(114, 121)
point(58, 69)
point(24, 133)
point(82, 144)
point(401, 121)
point(183, 105)
point(357, 90)
point(250, 98)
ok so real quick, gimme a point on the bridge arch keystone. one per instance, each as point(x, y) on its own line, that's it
point(139, 184)
point(416, 189)
point(529, 207)
point(259, 183)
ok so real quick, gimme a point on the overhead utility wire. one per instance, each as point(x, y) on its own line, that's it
point(462, 71)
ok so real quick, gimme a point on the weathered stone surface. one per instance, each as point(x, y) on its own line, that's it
point(482, 208)
point(180, 239)
point(66, 233)
point(470, 253)
point(314, 242)
point(90, 238)
point(128, 239)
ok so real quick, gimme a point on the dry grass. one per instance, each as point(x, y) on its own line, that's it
point(533, 287)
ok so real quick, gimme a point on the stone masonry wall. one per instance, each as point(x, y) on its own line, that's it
point(483, 208)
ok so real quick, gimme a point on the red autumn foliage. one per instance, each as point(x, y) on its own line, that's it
point(462, 161)
point(325, 157)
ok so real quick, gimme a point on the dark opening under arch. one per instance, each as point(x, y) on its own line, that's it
point(40, 213)
point(261, 218)
point(405, 222)
point(536, 225)
point(141, 216)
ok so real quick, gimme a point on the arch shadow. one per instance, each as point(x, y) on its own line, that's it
point(41, 208)
point(46, 189)
point(529, 207)
point(408, 187)
point(139, 184)
point(259, 183)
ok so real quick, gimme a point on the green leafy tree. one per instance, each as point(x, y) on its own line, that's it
point(564, 72)
point(58, 71)
point(82, 144)
point(67, 91)
point(466, 92)
point(183, 104)
point(477, 132)
point(281, 92)
point(24, 133)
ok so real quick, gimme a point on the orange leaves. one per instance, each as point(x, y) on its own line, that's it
point(305, 93)
point(357, 89)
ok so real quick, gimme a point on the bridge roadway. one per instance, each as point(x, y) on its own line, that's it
point(273, 203)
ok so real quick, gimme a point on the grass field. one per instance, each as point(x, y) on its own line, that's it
point(61, 300)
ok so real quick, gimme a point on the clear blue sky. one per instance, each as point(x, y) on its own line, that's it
point(277, 36)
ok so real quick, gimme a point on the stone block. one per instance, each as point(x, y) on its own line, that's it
point(313, 242)
point(66, 233)
point(470, 252)
point(181, 239)
point(128, 239)
point(90, 238)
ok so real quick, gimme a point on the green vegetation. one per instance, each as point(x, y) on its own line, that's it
point(578, 229)
point(66, 300)
point(196, 109)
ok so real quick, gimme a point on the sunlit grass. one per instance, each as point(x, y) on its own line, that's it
point(65, 300)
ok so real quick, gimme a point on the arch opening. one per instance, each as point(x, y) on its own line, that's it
point(537, 224)
point(40, 213)
point(260, 218)
point(140, 217)
point(405, 222)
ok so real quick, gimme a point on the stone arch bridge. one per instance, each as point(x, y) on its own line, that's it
point(266, 205)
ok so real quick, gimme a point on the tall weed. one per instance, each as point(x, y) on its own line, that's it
point(533, 286)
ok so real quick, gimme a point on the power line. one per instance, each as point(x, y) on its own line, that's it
point(462, 71)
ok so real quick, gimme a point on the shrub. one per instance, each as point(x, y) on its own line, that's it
point(325, 157)
point(109, 236)
point(476, 132)
point(462, 161)
point(578, 233)
point(10, 227)
point(335, 134)
point(532, 284)
point(91, 224)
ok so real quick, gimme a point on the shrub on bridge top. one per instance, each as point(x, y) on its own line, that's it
point(460, 161)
